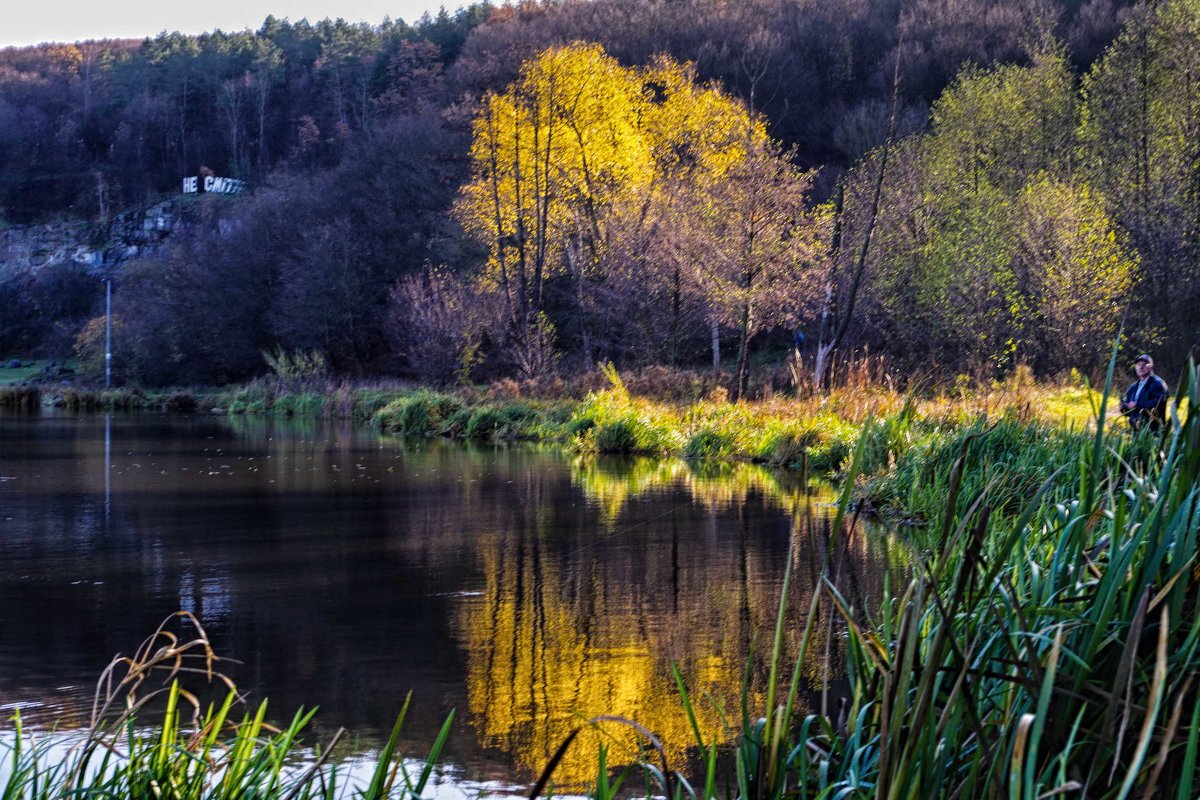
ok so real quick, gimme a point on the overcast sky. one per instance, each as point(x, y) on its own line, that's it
point(25, 22)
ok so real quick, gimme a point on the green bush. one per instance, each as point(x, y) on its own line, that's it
point(368, 402)
point(500, 422)
point(422, 413)
point(307, 404)
point(579, 424)
point(618, 436)
point(830, 455)
point(788, 448)
point(709, 445)
point(251, 399)
point(629, 434)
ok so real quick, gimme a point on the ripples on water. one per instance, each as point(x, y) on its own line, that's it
point(526, 588)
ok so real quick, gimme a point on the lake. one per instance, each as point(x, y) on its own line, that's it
point(527, 588)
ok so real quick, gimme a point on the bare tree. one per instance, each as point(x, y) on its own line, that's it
point(835, 315)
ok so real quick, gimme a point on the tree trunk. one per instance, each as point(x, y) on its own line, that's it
point(829, 338)
point(716, 346)
point(743, 359)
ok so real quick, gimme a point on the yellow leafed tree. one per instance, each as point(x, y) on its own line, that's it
point(579, 144)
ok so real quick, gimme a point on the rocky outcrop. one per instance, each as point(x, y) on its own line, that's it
point(90, 246)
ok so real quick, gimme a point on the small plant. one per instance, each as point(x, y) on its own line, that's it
point(296, 366)
point(533, 349)
point(709, 445)
point(421, 413)
point(617, 386)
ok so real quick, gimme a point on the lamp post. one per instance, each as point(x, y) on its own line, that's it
point(107, 329)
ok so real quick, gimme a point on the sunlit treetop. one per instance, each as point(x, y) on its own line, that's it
point(578, 134)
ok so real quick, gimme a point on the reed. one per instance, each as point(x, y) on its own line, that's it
point(193, 750)
point(20, 397)
point(1047, 644)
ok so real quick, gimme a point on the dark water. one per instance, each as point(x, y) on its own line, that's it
point(525, 588)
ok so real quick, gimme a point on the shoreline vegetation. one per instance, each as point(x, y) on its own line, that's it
point(1033, 427)
point(1047, 644)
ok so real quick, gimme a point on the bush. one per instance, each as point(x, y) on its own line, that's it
point(789, 447)
point(500, 422)
point(618, 436)
point(419, 414)
point(306, 404)
point(830, 455)
point(181, 402)
point(708, 445)
point(630, 433)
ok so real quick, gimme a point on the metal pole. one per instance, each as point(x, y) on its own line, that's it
point(108, 332)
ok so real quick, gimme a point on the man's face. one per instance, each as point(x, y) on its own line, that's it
point(1143, 369)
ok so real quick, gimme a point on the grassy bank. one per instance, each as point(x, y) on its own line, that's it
point(1053, 651)
point(1046, 645)
point(910, 442)
point(1032, 428)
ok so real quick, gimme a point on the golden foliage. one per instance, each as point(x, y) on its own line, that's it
point(578, 137)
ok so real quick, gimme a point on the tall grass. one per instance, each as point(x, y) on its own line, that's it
point(193, 750)
point(21, 397)
point(1052, 650)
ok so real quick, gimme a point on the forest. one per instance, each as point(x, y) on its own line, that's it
point(961, 187)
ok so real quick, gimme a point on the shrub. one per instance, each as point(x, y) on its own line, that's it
point(709, 444)
point(306, 404)
point(630, 433)
point(181, 402)
point(618, 436)
point(500, 422)
point(788, 448)
point(422, 413)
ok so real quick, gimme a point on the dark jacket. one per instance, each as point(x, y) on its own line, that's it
point(1151, 405)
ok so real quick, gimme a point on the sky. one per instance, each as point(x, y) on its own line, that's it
point(24, 22)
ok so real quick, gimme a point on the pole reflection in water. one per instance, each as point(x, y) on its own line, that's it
point(107, 469)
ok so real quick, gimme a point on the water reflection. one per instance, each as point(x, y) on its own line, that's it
point(612, 482)
point(525, 588)
point(558, 637)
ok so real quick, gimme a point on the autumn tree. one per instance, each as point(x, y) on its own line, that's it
point(581, 157)
point(1079, 272)
point(992, 250)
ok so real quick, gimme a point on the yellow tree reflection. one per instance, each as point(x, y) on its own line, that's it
point(553, 641)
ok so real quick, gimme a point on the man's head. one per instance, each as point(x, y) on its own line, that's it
point(1144, 365)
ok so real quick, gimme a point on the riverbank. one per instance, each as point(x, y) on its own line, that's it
point(661, 413)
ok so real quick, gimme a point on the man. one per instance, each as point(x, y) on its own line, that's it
point(1145, 401)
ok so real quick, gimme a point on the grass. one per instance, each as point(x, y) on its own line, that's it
point(1051, 651)
point(10, 376)
point(194, 750)
point(36, 370)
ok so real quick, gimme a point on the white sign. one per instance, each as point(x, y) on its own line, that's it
point(212, 183)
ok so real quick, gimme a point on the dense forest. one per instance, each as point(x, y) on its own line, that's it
point(961, 186)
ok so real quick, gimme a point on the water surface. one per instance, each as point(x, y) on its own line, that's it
point(526, 588)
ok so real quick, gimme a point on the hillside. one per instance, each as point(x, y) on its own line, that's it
point(1031, 195)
